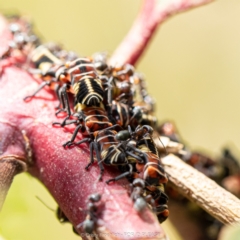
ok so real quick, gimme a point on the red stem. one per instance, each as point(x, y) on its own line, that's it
point(61, 170)
point(151, 16)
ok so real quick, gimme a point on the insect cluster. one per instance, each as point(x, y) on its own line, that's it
point(109, 106)
point(118, 129)
point(111, 109)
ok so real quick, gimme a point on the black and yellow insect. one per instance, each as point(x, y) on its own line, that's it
point(146, 165)
point(78, 77)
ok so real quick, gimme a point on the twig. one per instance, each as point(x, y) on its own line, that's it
point(9, 167)
point(152, 15)
point(198, 188)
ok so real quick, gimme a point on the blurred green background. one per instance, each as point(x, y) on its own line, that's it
point(191, 67)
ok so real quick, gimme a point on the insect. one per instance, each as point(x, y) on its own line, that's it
point(46, 65)
point(97, 130)
point(60, 53)
point(137, 195)
point(120, 73)
point(22, 42)
point(230, 163)
point(140, 83)
point(122, 106)
point(147, 116)
point(99, 60)
point(111, 152)
point(121, 91)
point(160, 199)
point(90, 222)
point(59, 214)
point(166, 146)
point(169, 130)
point(117, 83)
point(118, 100)
point(100, 133)
point(78, 77)
point(81, 80)
point(124, 115)
point(23, 39)
point(145, 164)
point(127, 111)
point(89, 121)
point(145, 102)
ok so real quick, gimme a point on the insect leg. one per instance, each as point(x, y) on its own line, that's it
point(142, 158)
point(66, 123)
point(109, 92)
point(139, 159)
point(151, 201)
point(112, 151)
point(57, 90)
point(123, 175)
point(112, 127)
point(42, 85)
point(91, 156)
point(65, 104)
point(64, 101)
point(71, 141)
point(95, 145)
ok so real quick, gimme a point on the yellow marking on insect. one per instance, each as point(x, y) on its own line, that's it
point(79, 107)
point(99, 97)
point(42, 51)
point(76, 88)
point(144, 148)
point(89, 85)
point(99, 82)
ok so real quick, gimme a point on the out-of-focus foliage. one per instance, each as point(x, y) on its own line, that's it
point(24, 217)
point(230, 233)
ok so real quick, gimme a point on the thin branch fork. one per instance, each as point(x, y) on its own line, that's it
point(206, 193)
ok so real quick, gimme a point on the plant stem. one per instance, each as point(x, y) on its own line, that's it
point(9, 167)
point(198, 188)
point(151, 16)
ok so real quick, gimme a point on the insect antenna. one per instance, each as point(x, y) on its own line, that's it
point(163, 146)
point(39, 199)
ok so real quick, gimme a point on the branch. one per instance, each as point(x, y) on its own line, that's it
point(152, 15)
point(198, 188)
point(61, 170)
point(9, 167)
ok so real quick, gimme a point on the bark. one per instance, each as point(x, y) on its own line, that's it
point(9, 167)
point(206, 193)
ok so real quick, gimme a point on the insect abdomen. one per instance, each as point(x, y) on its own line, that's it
point(88, 91)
